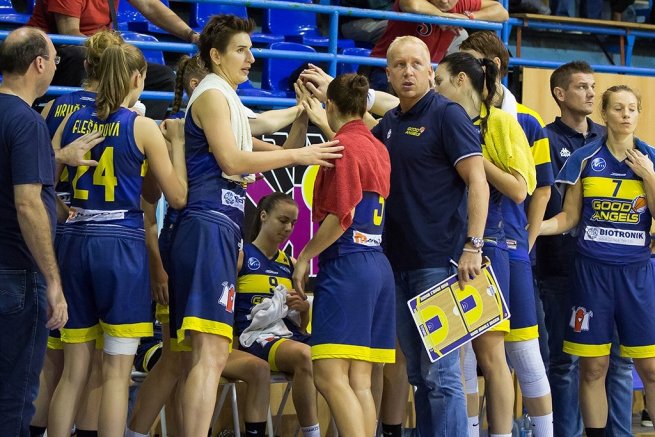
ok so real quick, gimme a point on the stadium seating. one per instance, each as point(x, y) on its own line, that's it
point(130, 19)
point(10, 16)
point(276, 74)
point(201, 12)
point(152, 56)
point(343, 67)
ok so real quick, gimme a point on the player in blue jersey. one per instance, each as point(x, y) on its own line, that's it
point(508, 166)
point(522, 223)
point(220, 162)
point(102, 253)
point(353, 313)
point(263, 267)
point(610, 197)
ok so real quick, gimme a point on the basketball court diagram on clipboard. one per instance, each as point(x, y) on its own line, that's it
point(448, 316)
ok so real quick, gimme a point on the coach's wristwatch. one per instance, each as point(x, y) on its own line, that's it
point(476, 242)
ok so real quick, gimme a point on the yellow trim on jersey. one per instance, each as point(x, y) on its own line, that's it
point(352, 352)
point(587, 350)
point(128, 330)
point(55, 344)
point(522, 334)
point(162, 314)
point(638, 351)
point(81, 335)
point(628, 189)
point(149, 353)
point(272, 352)
point(206, 326)
point(100, 343)
point(174, 346)
point(501, 327)
point(257, 283)
point(522, 109)
point(541, 151)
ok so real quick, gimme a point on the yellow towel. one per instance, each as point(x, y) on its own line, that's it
point(507, 147)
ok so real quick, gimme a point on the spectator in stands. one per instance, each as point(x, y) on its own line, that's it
point(86, 17)
point(437, 38)
point(572, 87)
point(592, 9)
point(364, 29)
point(426, 222)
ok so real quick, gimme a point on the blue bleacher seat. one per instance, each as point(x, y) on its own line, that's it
point(9, 15)
point(276, 72)
point(343, 68)
point(247, 89)
point(152, 56)
point(298, 26)
point(201, 12)
point(129, 18)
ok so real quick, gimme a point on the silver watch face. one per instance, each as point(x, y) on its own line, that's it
point(478, 243)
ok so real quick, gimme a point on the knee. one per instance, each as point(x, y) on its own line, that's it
point(260, 373)
point(303, 365)
point(593, 371)
point(647, 372)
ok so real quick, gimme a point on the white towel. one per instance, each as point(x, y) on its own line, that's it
point(509, 103)
point(267, 319)
point(238, 117)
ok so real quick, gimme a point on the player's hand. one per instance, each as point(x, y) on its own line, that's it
point(300, 271)
point(318, 154)
point(173, 130)
point(317, 81)
point(469, 266)
point(57, 307)
point(73, 153)
point(296, 302)
point(159, 286)
point(639, 163)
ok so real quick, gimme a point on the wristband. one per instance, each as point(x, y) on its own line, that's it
point(466, 249)
point(469, 15)
point(370, 99)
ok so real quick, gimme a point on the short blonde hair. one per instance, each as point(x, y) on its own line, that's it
point(407, 39)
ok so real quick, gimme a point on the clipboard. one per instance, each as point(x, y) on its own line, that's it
point(448, 317)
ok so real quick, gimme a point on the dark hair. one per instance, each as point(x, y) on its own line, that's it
point(217, 34)
point(605, 101)
point(187, 68)
point(96, 46)
point(268, 203)
point(17, 54)
point(349, 92)
point(487, 43)
point(561, 77)
point(117, 64)
point(481, 72)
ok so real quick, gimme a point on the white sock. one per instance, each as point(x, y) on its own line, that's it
point(474, 426)
point(130, 433)
point(311, 431)
point(542, 425)
point(501, 435)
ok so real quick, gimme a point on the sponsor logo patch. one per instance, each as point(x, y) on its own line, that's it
point(615, 236)
point(367, 239)
point(580, 318)
point(229, 198)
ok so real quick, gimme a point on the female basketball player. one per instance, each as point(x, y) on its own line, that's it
point(353, 322)
point(102, 252)
point(610, 198)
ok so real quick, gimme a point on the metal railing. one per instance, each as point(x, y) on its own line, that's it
point(332, 57)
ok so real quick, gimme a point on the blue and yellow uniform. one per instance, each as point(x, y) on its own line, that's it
point(206, 244)
point(258, 278)
point(354, 310)
point(102, 251)
point(61, 107)
point(521, 295)
point(613, 281)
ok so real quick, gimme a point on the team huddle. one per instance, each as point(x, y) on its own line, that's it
point(454, 170)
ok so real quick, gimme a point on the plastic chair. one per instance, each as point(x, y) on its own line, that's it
point(201, 12)
point(129, 18)
point(343, 68)
point(247, 89)
point(229, 388)
point(9, 15)
point(138, 378)
point(276, 73)
point(152, 56)
point(299, 26)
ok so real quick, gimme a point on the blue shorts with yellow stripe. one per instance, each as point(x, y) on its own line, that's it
point(522, 305)
point(203, 275)
point(497, 254)
point(604, 295)
point(353, 315)
point(104, 273)
point(267, 349)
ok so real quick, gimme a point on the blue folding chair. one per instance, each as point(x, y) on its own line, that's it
point(247, 89)
point(343, 68)
point(10, 16)
point(201, 12)
point(298, 26)
point(152, 56)
point(129, 18)
point(276, 73)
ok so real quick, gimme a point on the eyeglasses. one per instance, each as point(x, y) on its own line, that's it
point(57, 58)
